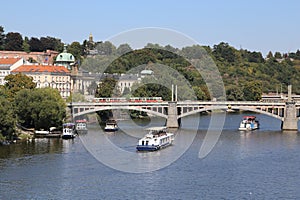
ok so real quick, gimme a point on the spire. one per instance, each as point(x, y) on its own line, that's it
point(65, 48)
point(91, 38)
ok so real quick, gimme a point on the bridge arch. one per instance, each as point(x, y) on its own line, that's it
point(233, 108)
point(121, 108)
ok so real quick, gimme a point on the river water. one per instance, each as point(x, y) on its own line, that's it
point(262, 164)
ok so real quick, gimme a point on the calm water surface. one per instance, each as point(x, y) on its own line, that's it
point(263, 164)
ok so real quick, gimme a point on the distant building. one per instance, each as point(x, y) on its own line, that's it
point(126, 81)
point(39, 57)
point(146, 72)
point(57, 77)
point(7, 65)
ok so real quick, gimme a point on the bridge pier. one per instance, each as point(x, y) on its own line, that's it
point(172, 121)
point(290, 121)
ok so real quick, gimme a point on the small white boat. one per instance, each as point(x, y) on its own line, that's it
point(111, 125)
point(81, 126)
point(249, 123)
point(157, 138)
point(68, 131)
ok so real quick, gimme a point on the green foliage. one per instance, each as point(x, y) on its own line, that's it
point(234, 93)
point(2, 38)
point(107, 88)
point(105, 48)
point(7, 118)
point(252, 91)
point(123, 48)
point(225, 53)
point(13, 42)
point(35, 44)
point(277, 55)
point(153, 90)
point(76, 49)
point(16, 83)
point(40, 108)
point(26, 46)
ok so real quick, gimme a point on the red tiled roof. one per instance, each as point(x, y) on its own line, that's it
point(8, 61)
point(41, 68)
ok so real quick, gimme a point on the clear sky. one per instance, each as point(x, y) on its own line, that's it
point(256, 25)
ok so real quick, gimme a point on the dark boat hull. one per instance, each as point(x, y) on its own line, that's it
point(68, 136)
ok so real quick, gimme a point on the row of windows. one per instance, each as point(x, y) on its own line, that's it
point(56, 79)
point(125, 84)
point(4, 72)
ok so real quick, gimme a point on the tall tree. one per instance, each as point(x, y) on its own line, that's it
point(35, 44)
point(17, 82)
point(40, 108)
point(270, 54)
point(26, 46)
point(278, 55)
point(105, 48)
point(13, 42)
point(2, 38)
point(7, 118)
point(107, 88)
point(123, 48)
point(76, 49)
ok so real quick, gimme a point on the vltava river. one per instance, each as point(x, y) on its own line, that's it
point(262, 164)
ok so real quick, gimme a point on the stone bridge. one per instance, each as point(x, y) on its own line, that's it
point(287, 112)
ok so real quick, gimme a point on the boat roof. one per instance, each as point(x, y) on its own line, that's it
point(80, 120)
point(249, 117)
point(158, 128)
point(69, 124)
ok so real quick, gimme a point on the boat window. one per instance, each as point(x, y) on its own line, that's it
point(147, 142)
point(143, 142)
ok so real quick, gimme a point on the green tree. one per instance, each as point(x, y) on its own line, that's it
point(105, 48)
point(152, 90)
point(26, 46)
point(234, 93)
point(2, 38)
point(13, 42)
point(123, 48)
point(126, 91)
point(40, 108)
point(92, 88)
point(278, 55)
point(199, 93)
point(35, 44)
point(17, 82)
point(7, 118)
point(252, 91)
point(106, 88)
point(270, 54)
point(76, 49)
point(224, 52)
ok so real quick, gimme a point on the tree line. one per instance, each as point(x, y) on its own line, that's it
point(246, 75)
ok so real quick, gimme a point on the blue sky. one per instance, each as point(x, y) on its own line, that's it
point(256, 25)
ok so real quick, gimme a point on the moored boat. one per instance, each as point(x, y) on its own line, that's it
point(156, 139)
point(249, 123)
point(68, 131)
point(111, 125)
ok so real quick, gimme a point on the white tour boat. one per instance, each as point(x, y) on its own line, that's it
point(157, 138)
point(68, 131)
point(111, 125)
point(249, 123)
point(81, 126)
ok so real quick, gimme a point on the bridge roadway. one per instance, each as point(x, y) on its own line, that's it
point(287, 112)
